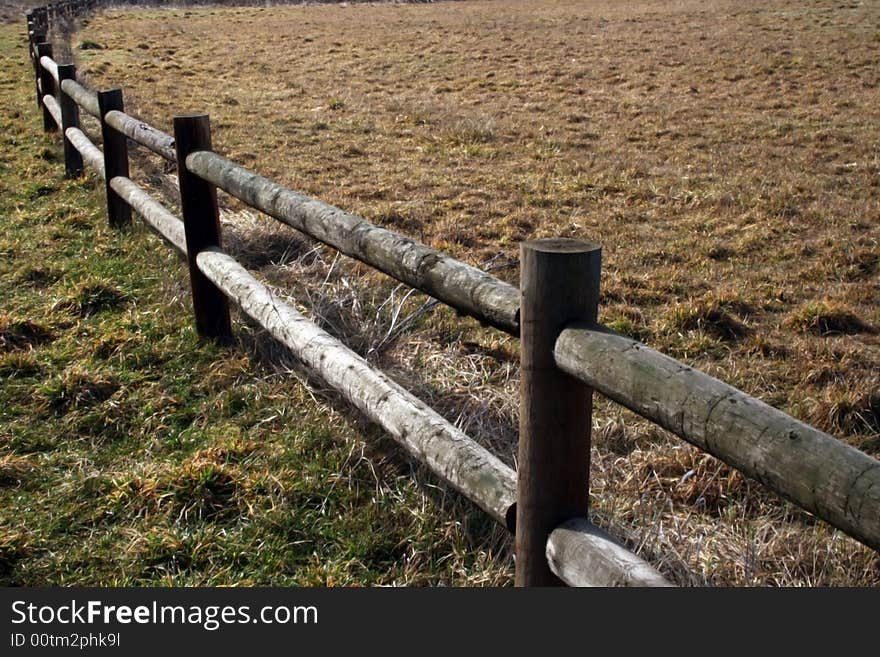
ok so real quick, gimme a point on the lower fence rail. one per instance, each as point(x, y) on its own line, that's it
point(156, 215)
point(581, 554)
point(54, 109)
point(91, 154)
point(446, 450)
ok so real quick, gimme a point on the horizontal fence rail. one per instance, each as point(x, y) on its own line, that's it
point(91, 154)
point(580, 554)
point(448, 452)
point(53, 108)
point(465, 288)
point(563, 360)
point(49, 64)
point(85, 98)
point(822, 475)
point(142, 133)
point(154, 213)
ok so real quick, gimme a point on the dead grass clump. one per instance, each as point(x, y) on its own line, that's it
point(13, 469)
point(128, 496)
point(39, 276)
point(828, 318)
point(719, 317)
point(275, 250)
point(205, 491)
point(208, 486)
point(849, 414)
point(616, 435)
point(230, 450)
point(470, 131)
point(720, 252)
point(205, 488)
point(17, 335)
point(862, 265)
point(93, 298)
point(759, 345)
point(164, 552)
point(19, 364)
point(690, 477)
point(77, 389)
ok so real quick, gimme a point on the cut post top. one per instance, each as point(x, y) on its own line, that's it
point(561, 245)
point(189, 116)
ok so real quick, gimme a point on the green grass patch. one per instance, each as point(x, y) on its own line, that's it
point(131, 453)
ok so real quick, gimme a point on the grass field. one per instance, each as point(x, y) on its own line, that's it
point(130, 454)
point(724, 154)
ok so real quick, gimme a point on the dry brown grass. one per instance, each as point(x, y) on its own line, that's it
point(725, 154)
point(13, 11)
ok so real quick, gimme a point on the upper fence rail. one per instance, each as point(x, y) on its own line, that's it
point(467, 289)
point(814, 470)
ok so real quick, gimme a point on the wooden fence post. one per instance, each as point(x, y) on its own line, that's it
point(35, 38)
point(115, 158)
point(201, 219)
point(73, 162)
point(40, 21)
point(559, 283)
point(46, 86)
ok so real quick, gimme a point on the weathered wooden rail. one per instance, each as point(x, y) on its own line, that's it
point(565, 353)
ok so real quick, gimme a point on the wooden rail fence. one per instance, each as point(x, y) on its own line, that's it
point(565, 353)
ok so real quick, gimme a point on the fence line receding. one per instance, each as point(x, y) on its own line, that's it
point(565, 353)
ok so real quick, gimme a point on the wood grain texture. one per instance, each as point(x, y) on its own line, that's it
point(447, 451)
point(581, 554)
point(201, 219)
point(157, 216)
point(465, 288)
point(143, 133)
point(559, 282)
point(814, 470)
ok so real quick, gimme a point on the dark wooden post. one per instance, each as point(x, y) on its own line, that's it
point(73, 162)
point(201, 219)
point(115, 158)
point(35, 38)
point(559, 284)
point(46, 87)
point(40, 21)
